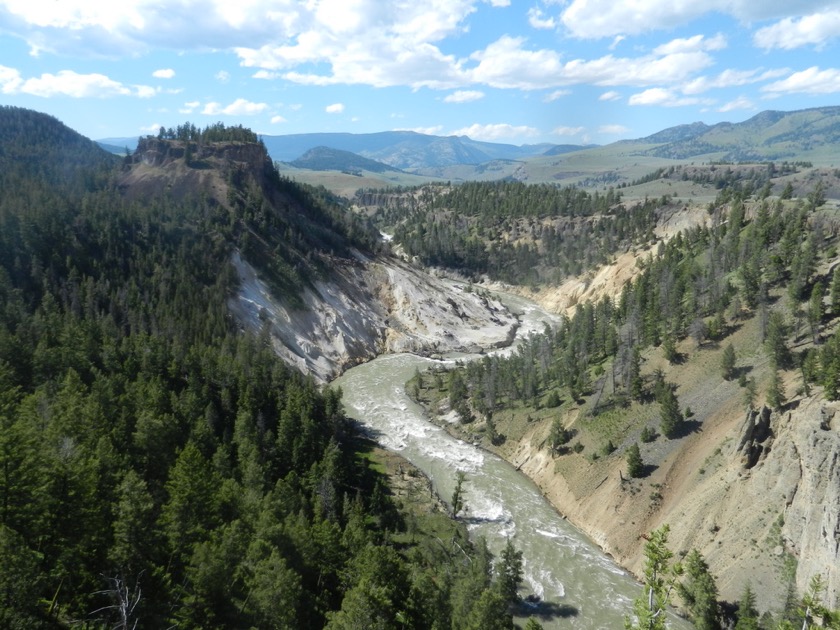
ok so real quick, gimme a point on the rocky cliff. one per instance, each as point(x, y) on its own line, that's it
point(369, 307)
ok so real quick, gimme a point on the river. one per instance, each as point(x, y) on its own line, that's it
point(580, 587)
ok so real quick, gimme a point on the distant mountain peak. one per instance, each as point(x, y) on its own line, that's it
point(324, 158)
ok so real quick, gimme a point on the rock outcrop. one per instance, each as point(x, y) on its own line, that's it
point(756, 437)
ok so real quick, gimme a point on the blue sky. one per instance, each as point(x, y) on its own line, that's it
point(559, 71)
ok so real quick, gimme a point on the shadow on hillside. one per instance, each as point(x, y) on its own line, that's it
point(647, 471)
point(790, 406)
point(741, 372)
point(686, 428)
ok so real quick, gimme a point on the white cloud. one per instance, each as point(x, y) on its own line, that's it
point(597, 19)
point(613, 130)
point(810, 81)
point(239, 107)
point(222, 76)
point(164, 73)
point(730, 78)
point(537, 19)
point(507, 64)
point(568, 131)
point(616, 41)
point(335, 108)
point(556, 94)
point(495, 132)
point(815, 29)
point(428, 131)
point(666, 98)
point(277, 119)
point(691, 44)
point(69, 83)
point(189, 107)
point(742, 102)
point(152, 129)
point(10, 80)
point(364, 42)
point(612, 95)
point(464, 96)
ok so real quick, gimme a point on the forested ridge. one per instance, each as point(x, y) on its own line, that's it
point(510, 231)
point(159, 467)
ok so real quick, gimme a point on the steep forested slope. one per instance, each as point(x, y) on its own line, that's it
point(159, 467)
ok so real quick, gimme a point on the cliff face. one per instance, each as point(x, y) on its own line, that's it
point(161, 167)
point(369, 307)
point(758, 494)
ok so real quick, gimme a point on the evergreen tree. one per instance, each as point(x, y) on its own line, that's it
point(834, 292)
point(747, 614)
point(775, 390)
point(816, 310)
point(699, 593)
point(510, 572)
point(670, 414)
point(660, 580)
point(458, 504)
point(727, 362)
point(775, 343)
point(635, 465)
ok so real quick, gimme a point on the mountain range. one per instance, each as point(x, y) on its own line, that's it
point(769, 135)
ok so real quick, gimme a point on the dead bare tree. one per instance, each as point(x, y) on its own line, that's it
point(125, 600)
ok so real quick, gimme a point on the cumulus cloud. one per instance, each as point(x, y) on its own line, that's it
point(613, 130)
point(809, 30)
point(597, 19)
point(277, 119)
point(611, 95)
point(496, 132)
point(239, 107)
point(361, 42)
point(10, 80)
point(537, 19)
point(222, 76)
point(507, 63)
point(164, 73)
point(464, 96)
point(69, 83)
point(568, 131)
point(335, 108)
point(152, 129)
point(810, 81)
